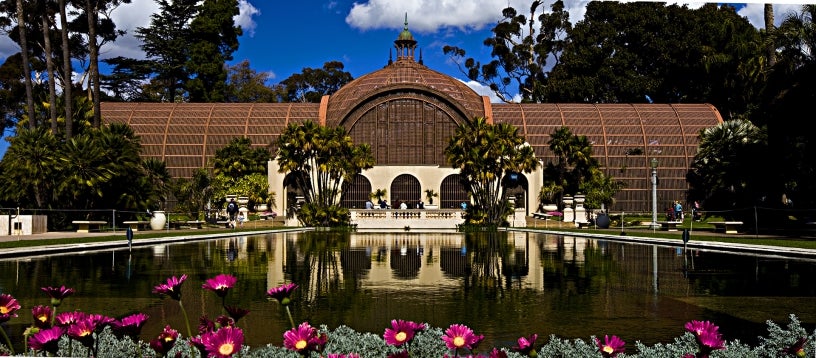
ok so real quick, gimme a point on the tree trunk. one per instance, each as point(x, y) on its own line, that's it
point(770, 49)
point(32, 121)
point(67, 76)
point(93, 67)
point(49, 63)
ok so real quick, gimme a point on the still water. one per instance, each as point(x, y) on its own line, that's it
point(503, 285)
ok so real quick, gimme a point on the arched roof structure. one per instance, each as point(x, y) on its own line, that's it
point(407, 112)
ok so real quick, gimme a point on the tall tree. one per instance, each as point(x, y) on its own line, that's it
point(786, 101)
point(67, 71)
point(166, 46)
point(21, 21)
point(29, 168)
point(485, 154)
point(46, 15)
point(313, 83)
point(238, 158)
point(213, 39)
point(245, 85)
point(519, 54)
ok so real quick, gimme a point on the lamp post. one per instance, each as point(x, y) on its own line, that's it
point(653, 165)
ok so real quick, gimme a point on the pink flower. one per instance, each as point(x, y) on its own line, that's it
point(130, 326)
point(707, 335)
point(165, 341)
point(220, 284)
point(460, 336)
point(82, 331)
point(46, 340)
point(42, 316)
point(8, 307)
point(610, 347)
point(66, 319)
point(235, 312)
point(303, 338)
point(57, 294)
point(224, 342)
point(172, 288)
point(339, 355)
point(401, 332)
point(282, 293)
point(526, 344)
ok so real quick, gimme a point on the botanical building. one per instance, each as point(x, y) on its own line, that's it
point(407, 112)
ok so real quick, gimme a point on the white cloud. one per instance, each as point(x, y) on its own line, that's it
point(755, 13)
point(246, 17)
point(483, 90)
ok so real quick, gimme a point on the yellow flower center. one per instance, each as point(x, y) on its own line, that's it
point(4, 309)
point(226, 349)
point(42, 318)
point(301, 344)
point(608, 349)
point(401, 336)
point(168, 339)
point(459, 341)
point(84, 333)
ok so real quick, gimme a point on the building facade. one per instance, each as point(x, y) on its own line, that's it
point(407, 112)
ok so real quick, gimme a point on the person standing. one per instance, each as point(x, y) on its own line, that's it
point(232, 210)
point(678, 211)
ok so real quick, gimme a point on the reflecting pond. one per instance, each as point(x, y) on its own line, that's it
point(503, 285)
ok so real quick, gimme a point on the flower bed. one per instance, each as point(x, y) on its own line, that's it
point(75, 333)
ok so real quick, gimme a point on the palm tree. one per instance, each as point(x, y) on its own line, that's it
point(29, 168)
point(485, 154)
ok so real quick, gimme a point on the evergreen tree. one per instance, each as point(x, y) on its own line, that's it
point(213, 39)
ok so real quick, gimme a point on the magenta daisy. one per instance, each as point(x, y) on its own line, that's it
point(46, 340)
point(709, 342)
point(610, 347)
point(220, 284)
point(698, 327)
point(303, 338)
point(66, 319)
point(42, 316)
point(224, 342)
point(496, 353)
point(282, 293)
point(198, 343)
point(130, 326)
point(57, 294)
point(340, 355)
point(165, 341)
point(401, 332)
point(236, 312)
point(526, 344)
point(460, 336)
point(82, 331)
point(8, 307)
point(172, 288)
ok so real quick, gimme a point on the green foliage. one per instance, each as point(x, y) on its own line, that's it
point(314, 83)
point(213, 39)
point(719, 176)
point(321, 161)
point(485, 154)
point(246, 85)
point(238, 158)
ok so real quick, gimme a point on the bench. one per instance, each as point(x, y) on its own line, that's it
point(669, 225)
point(226, 223)
point(582, 224)
point(136, 225)
point(728, 227)
point(85, 225)
point(195, 224)
point(544, 216)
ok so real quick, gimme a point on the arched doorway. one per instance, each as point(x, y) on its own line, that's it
point(453, 192)
point(405, 188)
point(516, 186)
point(356, 193)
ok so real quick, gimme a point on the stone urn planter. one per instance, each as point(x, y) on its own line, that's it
point(549, 207)
point(158, 220)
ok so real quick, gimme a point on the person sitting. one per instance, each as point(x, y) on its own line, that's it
point(383, 204)
point(369, 204)
point(241, 219)
point(403, 205)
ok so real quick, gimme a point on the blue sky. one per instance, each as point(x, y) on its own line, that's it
point(283, 37)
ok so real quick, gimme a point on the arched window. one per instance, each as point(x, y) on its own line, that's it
point(405, 188)
point(453, 192)
point(356, 193)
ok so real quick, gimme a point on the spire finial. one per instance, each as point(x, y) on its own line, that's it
point(406, 21)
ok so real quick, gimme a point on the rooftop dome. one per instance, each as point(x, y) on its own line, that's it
point(403, 76)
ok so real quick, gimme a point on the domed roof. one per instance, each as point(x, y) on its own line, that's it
point(403, 76)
